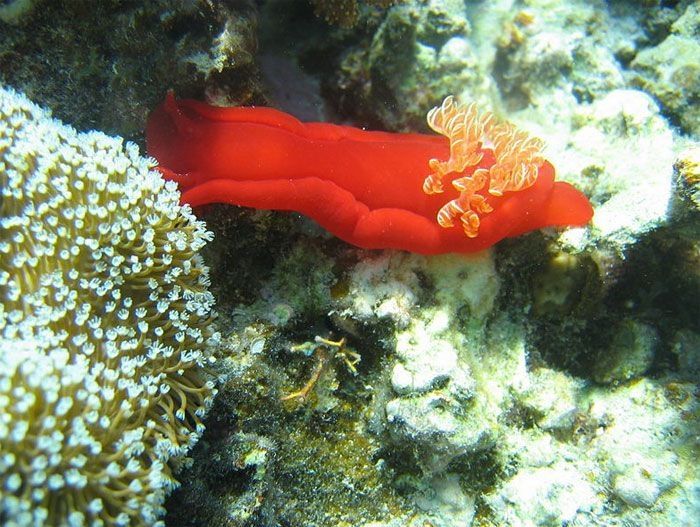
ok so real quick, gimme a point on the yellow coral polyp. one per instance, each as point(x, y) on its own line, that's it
point(517, 154)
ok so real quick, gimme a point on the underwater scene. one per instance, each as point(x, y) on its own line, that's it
point(354, 263)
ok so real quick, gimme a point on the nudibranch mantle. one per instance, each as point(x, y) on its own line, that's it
point(376, 190)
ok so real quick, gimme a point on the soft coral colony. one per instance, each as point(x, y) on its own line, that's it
point(105, 326)
point(464, 190)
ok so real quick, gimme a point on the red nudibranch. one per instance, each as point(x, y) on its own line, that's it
point(462, 191)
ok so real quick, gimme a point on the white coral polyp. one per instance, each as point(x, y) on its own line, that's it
point(105, 329)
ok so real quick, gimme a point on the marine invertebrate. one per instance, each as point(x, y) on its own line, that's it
point(517, 159)
point(368, 188)
point(324, 350)
point(686, 170)
point(105, 330)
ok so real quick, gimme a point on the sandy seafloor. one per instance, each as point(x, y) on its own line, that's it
point(551, 380)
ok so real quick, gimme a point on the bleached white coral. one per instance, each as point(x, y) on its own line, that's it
point(105, 327)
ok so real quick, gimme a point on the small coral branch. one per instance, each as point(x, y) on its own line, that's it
point(323, 350)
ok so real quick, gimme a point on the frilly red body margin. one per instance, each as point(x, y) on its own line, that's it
point(364, 187)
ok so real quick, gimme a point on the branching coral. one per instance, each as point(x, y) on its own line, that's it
point(105, 326)
point(517, 157)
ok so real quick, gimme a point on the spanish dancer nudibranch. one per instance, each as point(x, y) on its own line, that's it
point(476, 183)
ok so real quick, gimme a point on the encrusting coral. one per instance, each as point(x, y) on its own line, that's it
point(105, 326)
